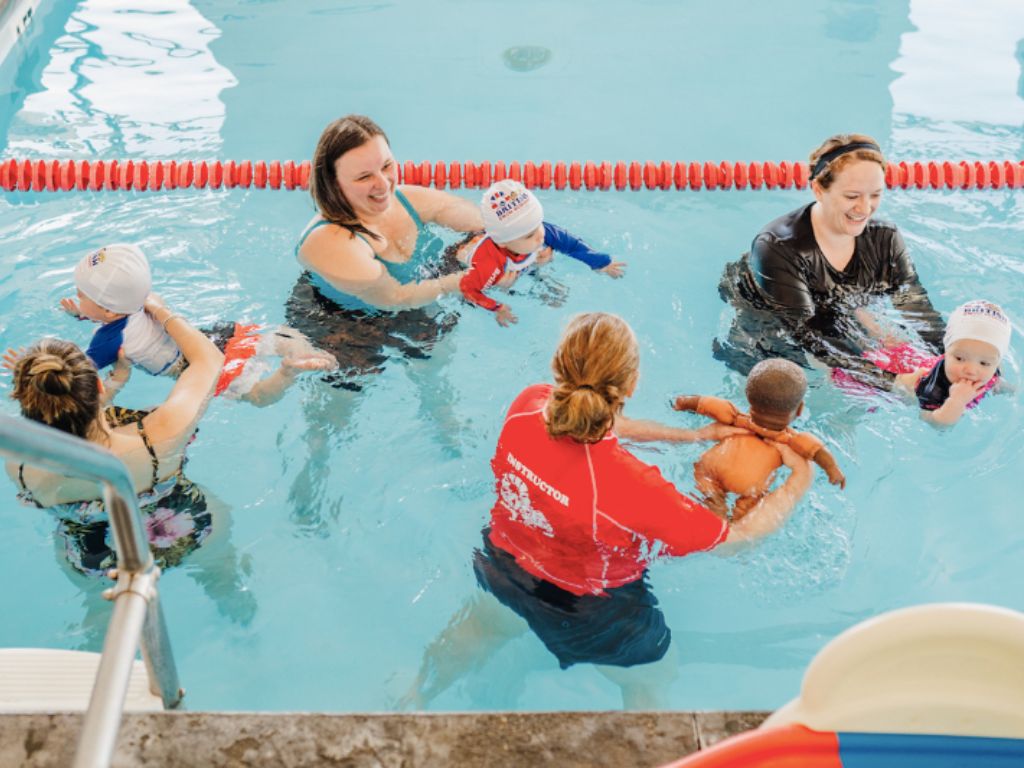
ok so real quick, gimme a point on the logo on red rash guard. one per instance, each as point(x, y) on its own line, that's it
point(516, 498)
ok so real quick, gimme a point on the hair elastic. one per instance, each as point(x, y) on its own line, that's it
point(831, 155)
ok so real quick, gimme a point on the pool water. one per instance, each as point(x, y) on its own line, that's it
point(347, 520)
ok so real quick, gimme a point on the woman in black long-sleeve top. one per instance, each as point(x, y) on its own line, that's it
point(804, 286)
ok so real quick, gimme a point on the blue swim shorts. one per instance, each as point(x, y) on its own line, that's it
point(622, 629)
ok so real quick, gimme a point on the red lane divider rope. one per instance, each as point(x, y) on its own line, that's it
point(140, 175)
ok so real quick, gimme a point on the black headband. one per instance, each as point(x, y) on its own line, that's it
point(828, 157)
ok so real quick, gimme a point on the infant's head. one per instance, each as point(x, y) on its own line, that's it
point(775, 391)
point(513, 216)
point(112, 281)
point(977, 338)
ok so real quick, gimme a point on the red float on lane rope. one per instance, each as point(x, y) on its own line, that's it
point(50, 175)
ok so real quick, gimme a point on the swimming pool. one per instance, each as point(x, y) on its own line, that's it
point(351, 564)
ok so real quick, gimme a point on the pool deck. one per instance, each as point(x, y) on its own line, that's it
point(298, 740)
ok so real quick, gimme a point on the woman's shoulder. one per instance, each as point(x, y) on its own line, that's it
point(881, 229)
point(531, 399)
point(422, 199)
point(793, 225)
point(320, 231)
point(332, 250)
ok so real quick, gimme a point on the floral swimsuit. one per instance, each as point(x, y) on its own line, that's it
point(174, 512)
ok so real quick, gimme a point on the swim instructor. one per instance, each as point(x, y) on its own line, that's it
point(806, 284)
point(579, 519)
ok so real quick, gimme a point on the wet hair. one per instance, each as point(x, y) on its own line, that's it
point(341, 136)
point(827, 175)
point(776, 386)
point(595, 366)
point(56, 384)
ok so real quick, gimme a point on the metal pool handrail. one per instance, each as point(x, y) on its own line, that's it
point(137, 612)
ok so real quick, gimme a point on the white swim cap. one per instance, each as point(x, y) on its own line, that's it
point(510, 211)
point(980, 321)
point(116, 277)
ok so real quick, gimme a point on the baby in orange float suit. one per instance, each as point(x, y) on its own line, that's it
point(745, 465)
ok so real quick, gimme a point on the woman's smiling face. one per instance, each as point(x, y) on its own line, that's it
point(367, 176)
point(852, 198)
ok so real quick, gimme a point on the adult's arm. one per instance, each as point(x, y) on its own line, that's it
point(175, 419)
point(444, 208)
point(778, 277)
point(348, 264)
point(646, 430)
point(910, 297)
point(774, 509)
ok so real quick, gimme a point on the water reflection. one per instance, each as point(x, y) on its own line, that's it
point(127, 80)
point(960, 68)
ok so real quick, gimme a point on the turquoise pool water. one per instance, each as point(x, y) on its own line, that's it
point(352, 557)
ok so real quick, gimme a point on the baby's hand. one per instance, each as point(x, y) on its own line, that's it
point(505, 317)
point(836, 477)
point(616, 269)
point(964, 391)
point(686, 403)
point(71, 307)
point(544, 255)
point(11, 357)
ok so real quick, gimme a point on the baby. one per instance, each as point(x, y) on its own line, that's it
point(977, 338)
point(113, 283)
point(518, 237)
point(745, 465)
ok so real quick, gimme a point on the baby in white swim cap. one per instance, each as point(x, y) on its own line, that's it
point(977, 339)
point(518, 237)
point(112, 284)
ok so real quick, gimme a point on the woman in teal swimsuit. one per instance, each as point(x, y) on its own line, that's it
point(373, 270)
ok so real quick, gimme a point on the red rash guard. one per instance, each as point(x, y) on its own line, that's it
point(486, 268)
point(586, 517)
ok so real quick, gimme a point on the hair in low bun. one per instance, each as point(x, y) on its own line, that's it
point(56, 384)
point(595, 367)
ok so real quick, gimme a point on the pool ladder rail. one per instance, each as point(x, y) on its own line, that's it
point(53, 680)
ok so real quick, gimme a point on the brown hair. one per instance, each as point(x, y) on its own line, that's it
point(341, 136)
point(56, 384)
point(828, 174)
point(776, 386)
point(596, 365)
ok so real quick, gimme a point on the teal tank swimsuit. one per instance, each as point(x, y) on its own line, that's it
point(362, 337)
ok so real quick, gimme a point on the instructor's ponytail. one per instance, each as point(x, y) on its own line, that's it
point(595, 366)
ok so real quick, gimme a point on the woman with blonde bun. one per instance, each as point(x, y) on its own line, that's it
point(578, 520)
